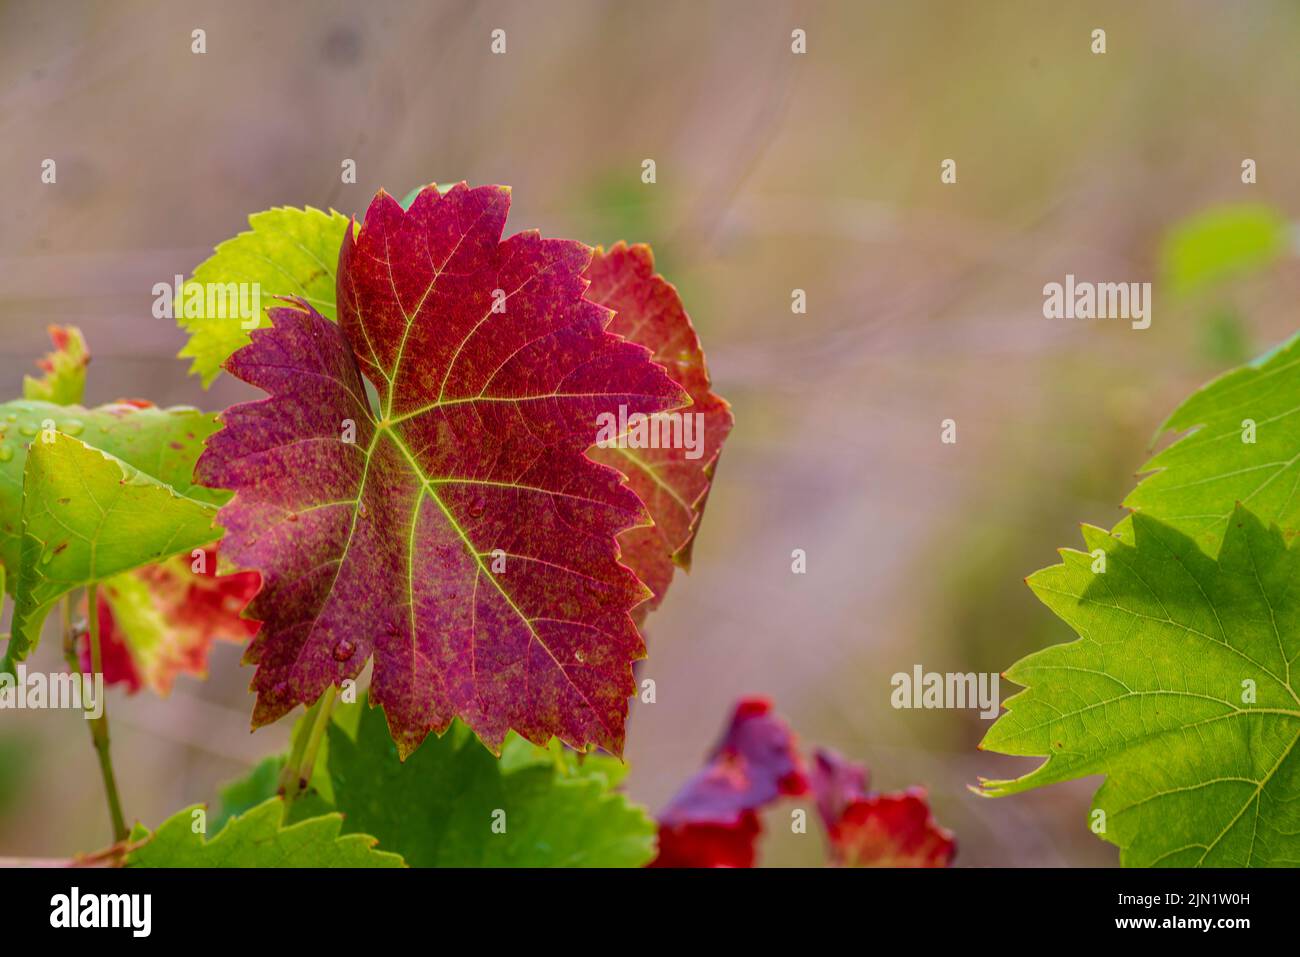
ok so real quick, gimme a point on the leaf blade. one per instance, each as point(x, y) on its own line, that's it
point(673, 482)
point(87, 516)
point(476, 448)
point(1152, 693)
point(257, 839)
point(439, 807)
point(287, 252)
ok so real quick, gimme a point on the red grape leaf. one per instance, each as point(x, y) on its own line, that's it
point(160, 620)
point(712, 822)
point(672, 482)
point(490, 370)
point(837, 783)
point(709, 845)
point(876, 830)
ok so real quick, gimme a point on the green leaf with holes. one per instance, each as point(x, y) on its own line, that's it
point(1181, 689)
point(288, 252)
point(86, 516)
point(256, 839)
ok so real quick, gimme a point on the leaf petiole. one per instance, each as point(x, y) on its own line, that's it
point(297, 771)
point(98, 726)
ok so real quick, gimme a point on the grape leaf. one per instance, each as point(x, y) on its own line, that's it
point(257, 839)
point(837, 783)
point(160, 620)
point(243, 794)
point(865, 829)
point(288, 252)
point(447, 804)
point(1179, 689)
point(64, 379)
point(890, 830)
point(1197, 481)
point(490, 370)
point(672, 482)
point(164, 443)
point(88, 516)
point(713, 820)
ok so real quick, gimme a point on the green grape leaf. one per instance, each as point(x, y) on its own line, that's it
point(518, 753)
point(447, 804)
point(1220, 244)
point(243, 794)
point(1244, 447)
point(1180, 689)
point(257, 839)
point(64, 368)
point(161, 442)
point(86, 516)
point(288, 252)
point(262, 783)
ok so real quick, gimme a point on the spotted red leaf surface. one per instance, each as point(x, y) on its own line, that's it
point(865, 829)
point(454, 528)
point(713, 820)
point(672, 480)
point(160, 621)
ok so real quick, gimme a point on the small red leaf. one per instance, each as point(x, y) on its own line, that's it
point(709, 845)
point(169, 624)
point(712, 820)
point(114, 658)
point(837, 783)
point(876, 830)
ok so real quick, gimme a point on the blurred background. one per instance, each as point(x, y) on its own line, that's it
point(775, 171)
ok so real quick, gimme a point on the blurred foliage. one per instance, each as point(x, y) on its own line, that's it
point(1224, 340)
point(622, 207)
point(1222, 243)
point(15, 767)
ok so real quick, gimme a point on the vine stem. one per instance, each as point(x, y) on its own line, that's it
point(317, 735)
point(306, 746)
point(98, 726)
